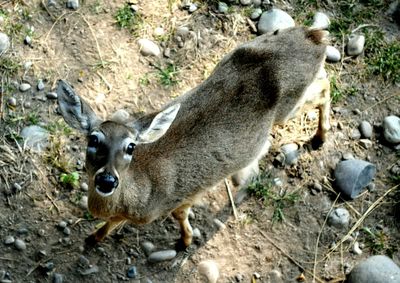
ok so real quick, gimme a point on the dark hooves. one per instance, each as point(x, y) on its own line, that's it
point(316, 142)
point(180, 246)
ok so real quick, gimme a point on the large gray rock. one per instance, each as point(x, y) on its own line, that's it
point(376, 269)
point(273, 20)
point(355, 46)
point(391, 129)
point(35, 137)
point(321, 21)
point(4, 42)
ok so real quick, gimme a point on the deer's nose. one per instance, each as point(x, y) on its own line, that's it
point(105, 183)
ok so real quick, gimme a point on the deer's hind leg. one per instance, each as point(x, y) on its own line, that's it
point(182, 215)
point(104, 230)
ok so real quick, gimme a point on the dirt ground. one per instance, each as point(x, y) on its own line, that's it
point(103, 63)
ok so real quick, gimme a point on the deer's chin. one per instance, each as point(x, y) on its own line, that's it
point(104, 193)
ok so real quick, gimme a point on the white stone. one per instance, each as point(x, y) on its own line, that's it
point(159, 31)
point(4, 43)
point(148, 47)
point(83, 203)
point(391, 129)
point(339, 217)
point(209, 270)
point(120, 116)
point(24, 87)
point(321, 21)
point(35, 137)
point(332, 54)
point(355, 46)
point(73, 4)
point(356, 248)
point(246, 2)
point(273, 20)
point(161, 256)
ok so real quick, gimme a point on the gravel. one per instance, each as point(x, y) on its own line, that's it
point(132, 272)
point(160, 256)
point(57, 278)
point(148, 247)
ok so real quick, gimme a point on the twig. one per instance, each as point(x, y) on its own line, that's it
point(105, 81)
point(47, 10)
point(363, 26)
point(54, 24)
point(361, 219)
point(319, 236)
point(53, 202)
point(287, 255)
point(9, 259)
point(382, 100)
point(228, 189)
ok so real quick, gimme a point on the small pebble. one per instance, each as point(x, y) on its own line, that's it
point(73, 4)
point(40, 85)
point(366, 129)
point(223, 7)
point(239, 277)
point(62, 224)
point(67, 231)
point(84, 261)
point(28, 65)
point(132, 272)
point(192, 8)
point(4, 43)
point(182, 31)
point(12, 101)
point(196, 233)
point(356, 248)
point(339, 217)
point(277, 182)
point(28, 40)
point(332, 54)
point(57, 278)
point(256, 275)
point(41, 232)
point(160, 256)
point(246, 2)
point(355, 46)
point(273, 20)
point(24, 87)
point(321, 21)
point(148, 47)
point(348, 156)
point(83, 203)
point(255, 14)
point(219, 224)
point(148, 247)
point(91, 270)
point(9, 240)
point(366, 143)
point(391, 129)
point(20, 245)
point(159, 31)
point(49, 266)
point(355, 134)
point(167, 53)
point(209, 270)
point(84, 187)
point(371, 187)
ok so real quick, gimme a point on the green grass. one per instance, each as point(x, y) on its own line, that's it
point(70, 180)
point(379, 242)
point(128, 19)
point(339, 92)
point(262, 188)
point(168, 75)
point(58, 127)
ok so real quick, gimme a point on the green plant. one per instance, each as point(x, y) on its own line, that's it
point(379, 242)
point(168, 75)
point(262, 187)
point(33, 118)
point(127, 18)
point(70, 180)
point(58, 127)
point(144, 80)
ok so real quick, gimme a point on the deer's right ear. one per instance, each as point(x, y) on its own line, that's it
point(75, 111)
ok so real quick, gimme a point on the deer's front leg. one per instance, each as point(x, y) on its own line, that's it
point(182, 215)
point(324, 106)
point(104, 230)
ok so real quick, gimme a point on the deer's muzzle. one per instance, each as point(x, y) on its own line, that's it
point(105, 183)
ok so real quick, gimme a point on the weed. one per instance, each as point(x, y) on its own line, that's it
point(379, 242)
point(262, 187)
point(70, 180)
point(168, 75)
point(9, 66)
point(337, 93)
point(33, 118)
point(58, 127)
point(144, 80)
point(88, 216)
point(128, 18)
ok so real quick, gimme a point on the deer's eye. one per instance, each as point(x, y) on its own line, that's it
point(93, 141)
point(130, 148)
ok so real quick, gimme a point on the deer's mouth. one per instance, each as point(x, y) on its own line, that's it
point(104, 192)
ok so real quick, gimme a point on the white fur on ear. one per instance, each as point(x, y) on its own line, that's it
point(160, 125)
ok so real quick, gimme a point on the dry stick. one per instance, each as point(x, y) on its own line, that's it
point(360, 220)
point(53, 202)
point(47, 10)
point(95, 38)
point(54, 24)
point(228, 189)
point(287, 255)
point(363, 26)
point(319, 236)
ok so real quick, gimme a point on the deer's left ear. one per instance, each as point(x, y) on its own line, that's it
point(159, 126)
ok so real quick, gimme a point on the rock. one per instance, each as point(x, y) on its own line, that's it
point(355, 46)
point(183, 32)
point(20, 245)
point(57, 278)
point(348, 156)
point(352, 176)
point(219, 224)
point(28, 40)
point(366, 143)
point(356, 248)
point(241, 195)
point(255, 14)
point(246, 2)
point(375, 269)
point(160, 256)
point(239, 277)
point(148, 47)
point(167, 52)
point(366, 129)
point(48, 266)
point(196, 233)
point(27, 65)
point(35, 137)
point(9, 240)
point(132, 272)
point(120, 116)
point(24, 87)
point(12, 101)
point(62, 224)
point(355, 134)
point(51, 95)
point(67, 231)
point(291, 153)
point(40, 85)
point(83, 203)
point(51, 3)
point(147, 247)
point(339, 218)
point(208, 269)
point(192, 8)
point(159, 31)
point(332, 54)
point(274, 276)
point(73, 4)
point(91, 270)
point(84, 187)
point(4, 43)
point(257, 3)
point(84, 261)
point(223, 7)
point(391, 129)
point(321, 21)
point(273, 20)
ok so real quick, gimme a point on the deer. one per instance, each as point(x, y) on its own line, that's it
point(165, 161)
